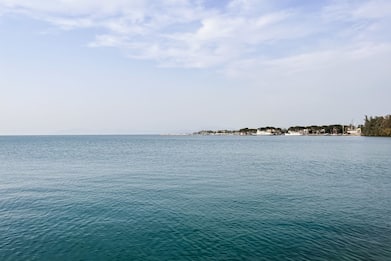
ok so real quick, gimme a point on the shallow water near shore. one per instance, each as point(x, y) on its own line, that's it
point(195, 198)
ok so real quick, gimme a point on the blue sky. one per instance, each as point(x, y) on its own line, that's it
point(85, 67)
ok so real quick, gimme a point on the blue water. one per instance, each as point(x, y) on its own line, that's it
point(195, 198)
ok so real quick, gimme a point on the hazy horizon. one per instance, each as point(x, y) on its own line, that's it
point(178, 66)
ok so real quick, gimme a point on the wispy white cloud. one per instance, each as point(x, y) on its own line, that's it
point(233, 36)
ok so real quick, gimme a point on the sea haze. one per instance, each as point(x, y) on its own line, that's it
point(195, 198)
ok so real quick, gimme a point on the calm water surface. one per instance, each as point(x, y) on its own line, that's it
point(195, 198)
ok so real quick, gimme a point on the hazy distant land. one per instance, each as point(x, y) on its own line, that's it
point(373, 126)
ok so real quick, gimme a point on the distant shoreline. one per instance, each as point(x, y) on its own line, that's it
point(378, 126)
point(313, 130)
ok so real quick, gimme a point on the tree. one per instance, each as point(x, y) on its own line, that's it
point(377, 126)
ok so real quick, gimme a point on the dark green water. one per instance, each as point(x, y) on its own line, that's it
point(195, 198)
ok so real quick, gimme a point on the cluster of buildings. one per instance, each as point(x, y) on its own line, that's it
point(325, 130)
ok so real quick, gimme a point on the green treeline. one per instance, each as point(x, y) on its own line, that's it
point(335, 129)
point(373, 126)
point(377, 126)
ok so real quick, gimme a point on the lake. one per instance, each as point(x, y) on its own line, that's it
point(195, 198)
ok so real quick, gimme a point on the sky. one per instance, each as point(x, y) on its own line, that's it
point(178, 66)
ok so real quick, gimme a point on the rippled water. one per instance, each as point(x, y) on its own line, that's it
point(195, 198)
